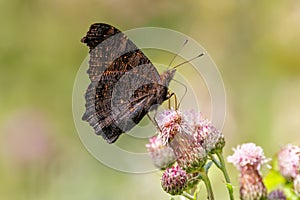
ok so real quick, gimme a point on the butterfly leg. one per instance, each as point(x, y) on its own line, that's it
point(154, 122)
point(175, 100)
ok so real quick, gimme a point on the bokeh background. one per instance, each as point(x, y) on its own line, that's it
point(255, 44)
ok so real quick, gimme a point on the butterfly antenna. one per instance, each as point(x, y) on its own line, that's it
point(175, 102)
point(181, 99)
point(171, 62)
point(200, 55)
point(154, 122)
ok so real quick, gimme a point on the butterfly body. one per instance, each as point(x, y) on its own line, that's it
point(124, 86)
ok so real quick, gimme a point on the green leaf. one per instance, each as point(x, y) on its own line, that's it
point(290, 194)
point(229, 186)
point(273, 179)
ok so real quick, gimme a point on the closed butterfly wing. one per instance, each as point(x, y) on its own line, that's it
point(124, 83)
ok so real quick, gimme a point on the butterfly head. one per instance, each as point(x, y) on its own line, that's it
point(167, 76)
point(162, 90)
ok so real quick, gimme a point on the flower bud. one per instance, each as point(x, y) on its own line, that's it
point(174, 180)
point(276, 195)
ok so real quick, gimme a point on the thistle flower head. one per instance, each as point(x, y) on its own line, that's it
point(190, 156)
point(289, 161)
point(252, 186)
point(171, 123)
point(174, 180)
point(205, 133)
point(209, 137)
point(161, 155)
point(194, 118)
point(247, 154)
point(248, 158)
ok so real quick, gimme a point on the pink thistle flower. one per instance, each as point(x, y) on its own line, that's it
point(171, 123)
point(209, 137)
point(161, 155)
point(205, 133)
point(194, 118)
point(190, 156)
point(177, 130)
point(247, 154)
point(248, 158)
point(174, 180)
point(289, 161)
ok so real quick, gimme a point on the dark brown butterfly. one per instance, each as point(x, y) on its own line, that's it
point(124, 86)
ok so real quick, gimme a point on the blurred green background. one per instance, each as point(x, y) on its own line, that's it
point(255, 44)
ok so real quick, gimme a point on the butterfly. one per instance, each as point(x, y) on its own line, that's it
point(124, 85)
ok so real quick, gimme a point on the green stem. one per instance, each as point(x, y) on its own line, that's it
point(225, 173)
point(204, 177)
point(187, 195)
point(216, 162)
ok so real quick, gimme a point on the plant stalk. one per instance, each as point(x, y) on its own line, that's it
point(222, 167)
